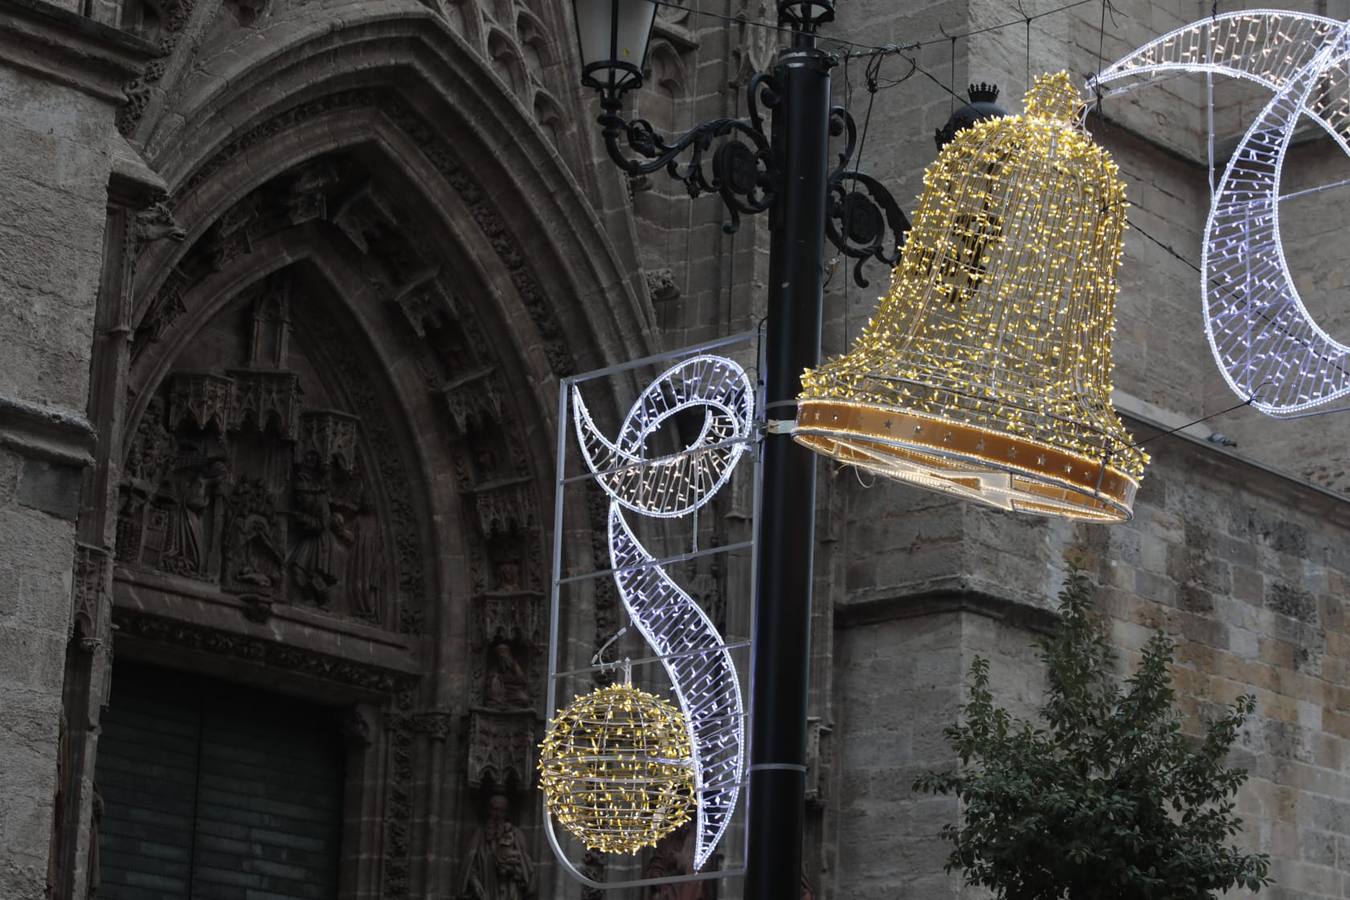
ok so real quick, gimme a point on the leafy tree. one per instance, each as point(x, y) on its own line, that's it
point(1105, 798)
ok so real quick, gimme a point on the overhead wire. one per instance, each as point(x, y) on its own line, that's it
point(871, 49)
point(1172, 251)
point(877, 52)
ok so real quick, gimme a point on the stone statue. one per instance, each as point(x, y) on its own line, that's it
point(670, 858)
point(187, 550)
point(363, 581)
point(254, 560)
point(673, 856)
point(316, 562)
point(151, 452)
point(499, 865)
point(507, 685)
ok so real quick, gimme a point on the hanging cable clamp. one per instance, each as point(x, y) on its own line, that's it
point(780, 426)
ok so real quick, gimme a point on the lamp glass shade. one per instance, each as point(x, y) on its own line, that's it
point(613, 37)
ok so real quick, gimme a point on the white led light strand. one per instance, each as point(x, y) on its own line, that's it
point(1265, 341)
point(680, 483)
point(693, 652)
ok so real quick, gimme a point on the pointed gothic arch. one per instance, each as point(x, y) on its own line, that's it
point(442, 272)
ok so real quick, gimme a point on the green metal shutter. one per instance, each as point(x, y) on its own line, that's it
point(212, 792)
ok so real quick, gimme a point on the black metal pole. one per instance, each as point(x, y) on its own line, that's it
point(782, 639)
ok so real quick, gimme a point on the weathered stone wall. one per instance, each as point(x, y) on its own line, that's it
point(1244, 567)
point(1233, 552)
point(55, 166)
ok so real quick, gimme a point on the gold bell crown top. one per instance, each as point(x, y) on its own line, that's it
point(986, 371)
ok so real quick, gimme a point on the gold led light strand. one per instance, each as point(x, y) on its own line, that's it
point(986, 371)
point(616, 770)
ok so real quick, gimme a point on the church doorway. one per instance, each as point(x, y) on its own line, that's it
point(214, 791)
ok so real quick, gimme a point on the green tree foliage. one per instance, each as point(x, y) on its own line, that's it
point(1105, 798)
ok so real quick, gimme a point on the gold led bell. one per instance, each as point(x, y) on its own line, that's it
point(986, 371)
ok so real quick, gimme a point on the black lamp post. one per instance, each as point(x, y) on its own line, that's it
point(784, 170)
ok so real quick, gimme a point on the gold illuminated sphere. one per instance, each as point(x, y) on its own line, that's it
point(986, 370)
point(616, 768)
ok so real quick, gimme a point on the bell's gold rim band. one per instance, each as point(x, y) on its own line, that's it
point(1045, 479)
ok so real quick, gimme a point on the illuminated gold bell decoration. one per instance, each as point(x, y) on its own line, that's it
point(616, 769)
point(986, 371)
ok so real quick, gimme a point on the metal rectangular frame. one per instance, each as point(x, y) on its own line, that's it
point(557, 581)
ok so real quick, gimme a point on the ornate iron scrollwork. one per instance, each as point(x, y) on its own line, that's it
point(742, 171)
point(861, 211)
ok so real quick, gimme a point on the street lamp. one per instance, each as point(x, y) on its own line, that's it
point(613, 37)
point(783, 169)
point(745, 168)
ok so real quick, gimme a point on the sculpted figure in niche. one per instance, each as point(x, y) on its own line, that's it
point(674, 856)
point(187, 550)
point(508, 576)
point(499, 865)
point(363, 578)
point(254, 560)
point(152, 447)
point(507, 685)
point(317, 561)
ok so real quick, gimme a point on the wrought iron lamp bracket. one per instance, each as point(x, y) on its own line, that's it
point(859, 220)
point(863, 219)
point(742, 169)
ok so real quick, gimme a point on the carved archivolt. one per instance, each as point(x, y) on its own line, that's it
point(513, 38)
point(267, 459)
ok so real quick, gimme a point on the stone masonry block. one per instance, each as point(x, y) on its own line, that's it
point(51, 487)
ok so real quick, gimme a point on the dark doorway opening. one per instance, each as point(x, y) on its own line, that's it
point(217, 792)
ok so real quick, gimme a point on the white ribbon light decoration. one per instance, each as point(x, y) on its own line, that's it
point(693, 652)
point(1267, 345)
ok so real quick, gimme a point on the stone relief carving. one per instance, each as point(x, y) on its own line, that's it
point(674, 856)
point(155, 223)
point(246, 12)
point(358, 726)
point(508, 687)
point(473, 400)
point(506, 507)
point(166, 309)
point(508, 639)
point(661, 286)
point(434, 723)
point(232, 480)
point(159, 21)
point(260, 651)
point(498, 865)
point(501, 748)
point(89, 594)
point(755, 50)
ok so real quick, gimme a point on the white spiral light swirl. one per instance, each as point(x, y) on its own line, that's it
point(1266, 343)
point(693, 652)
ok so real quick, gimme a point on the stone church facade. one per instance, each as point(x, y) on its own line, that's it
point(288, 288)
